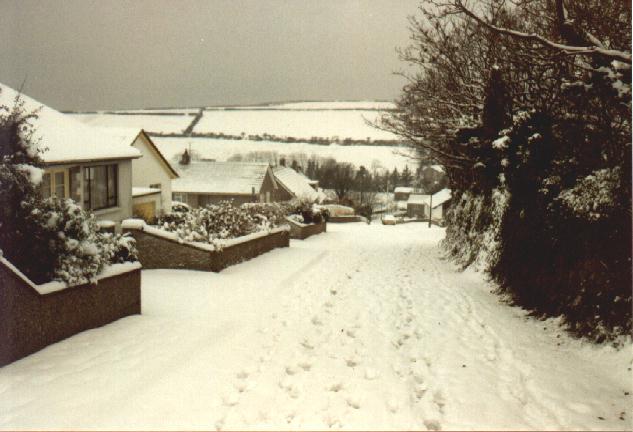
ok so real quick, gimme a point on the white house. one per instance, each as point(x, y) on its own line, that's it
point(418, 205)
point(151, 174)
point(90, 166)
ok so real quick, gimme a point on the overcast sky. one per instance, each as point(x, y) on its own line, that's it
point(105, 54)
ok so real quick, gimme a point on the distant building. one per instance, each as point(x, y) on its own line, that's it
point(402, 193)
point(205, 182)
point(440, 203)
point(418, 205)
point(293, 184)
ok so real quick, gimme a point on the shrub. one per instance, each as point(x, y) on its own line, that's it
point(309, 211)
point(66, 244)
point(269, 215)
point(224, 221)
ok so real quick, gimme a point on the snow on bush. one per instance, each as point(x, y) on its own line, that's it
point(593, 197)
point(490, 249)
point(309, 210)
point(69, 246)
point(223, 221)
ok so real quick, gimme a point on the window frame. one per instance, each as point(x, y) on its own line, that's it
point(111, 196)
point(52, 183)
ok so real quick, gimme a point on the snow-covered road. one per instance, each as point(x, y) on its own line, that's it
point(364, 327)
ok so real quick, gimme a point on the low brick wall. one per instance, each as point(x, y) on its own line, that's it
point(30, 321)
point(342, 219)
point(302, 232)
point(156, 252)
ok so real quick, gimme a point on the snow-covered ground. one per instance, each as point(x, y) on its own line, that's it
point(222, 149)
point(363, 327)
point(151, 122)
point(297, 123)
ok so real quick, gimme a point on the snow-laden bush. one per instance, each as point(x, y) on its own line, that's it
point(310, 211)
point(467, 220)
point(594, 196)
point(223, 221)
point(67, 243)
point(269, 215)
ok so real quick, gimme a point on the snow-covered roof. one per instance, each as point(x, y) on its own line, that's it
point(66, 139)
point(441, 197)
point(403, 189)
point(418, 199)
point(142, 191)
point(295, 183)
point(237, 178)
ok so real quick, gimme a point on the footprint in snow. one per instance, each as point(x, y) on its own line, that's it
point(243, 374)
point(371, 373)
point(306, 365)
point(392, 405)
point(291, 370)
point(353, 401)
point(290, 387)
point(242, 386)
point(352, 362)
point(432, 425)
point(335, 387)
point(231, 399)
point(307, 344)
point(316, 321)
point(219, 424)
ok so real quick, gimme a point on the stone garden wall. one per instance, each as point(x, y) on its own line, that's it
point(163, 251)
point(35, 316)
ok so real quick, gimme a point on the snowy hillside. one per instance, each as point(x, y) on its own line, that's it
point(150, 123)
point(222, 149)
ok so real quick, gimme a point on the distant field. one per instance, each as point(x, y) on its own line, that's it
point(300, 120)
point(331, 105)
point(151, 123)
point(221, 150)
point(293, 123)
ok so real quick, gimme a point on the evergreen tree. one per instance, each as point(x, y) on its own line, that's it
point(394, 179)
point(406, 178)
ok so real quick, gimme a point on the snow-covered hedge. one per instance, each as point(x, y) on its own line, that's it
point(595, 196)
point(68, 245)
point(223, 221)
point(309, 211)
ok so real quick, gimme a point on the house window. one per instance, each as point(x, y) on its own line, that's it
point(74, 184)
point(55, 183)
point(155, 186)
point(46, 186)
point(176, 196)
point(100, 187)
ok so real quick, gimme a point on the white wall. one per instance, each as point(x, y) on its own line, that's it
point(149, 169)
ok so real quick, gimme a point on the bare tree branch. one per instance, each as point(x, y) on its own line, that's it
point(622, 56)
